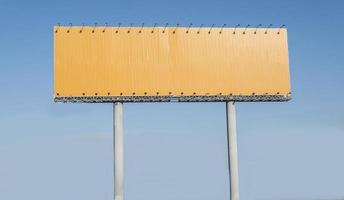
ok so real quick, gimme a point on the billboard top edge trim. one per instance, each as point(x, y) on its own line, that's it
point(152, 28)
point(180, 26)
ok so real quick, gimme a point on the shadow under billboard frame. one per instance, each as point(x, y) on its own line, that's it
point(187, 64)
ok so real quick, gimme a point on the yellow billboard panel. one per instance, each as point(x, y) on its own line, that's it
point(105, 64)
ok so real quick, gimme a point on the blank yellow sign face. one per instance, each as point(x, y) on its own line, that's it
point(106, 64)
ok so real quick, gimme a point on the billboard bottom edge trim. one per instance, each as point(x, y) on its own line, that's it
point(222, 98)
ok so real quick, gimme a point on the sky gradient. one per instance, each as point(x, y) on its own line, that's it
point(287, 151)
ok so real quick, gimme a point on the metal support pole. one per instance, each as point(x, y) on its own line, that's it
point(232, 151)
point(118, 150)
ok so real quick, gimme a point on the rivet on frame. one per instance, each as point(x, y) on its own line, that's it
point(133, 93)
point(94, 28)
point(245, 29)
point(143, 24)
point(194, 93)
point(212, 26)
point(130, 28)
point(182, 93)
point(58, 26)
point(253, 93)
point(163, 31)
point(157, 93)
point(70, 26)
point(109, 93)
point(119, 26)
point(266, 30)
point(82, 27)
point(283, 25)
point(83, 94)
point(255, 31)
point(187, 31)
point(121, 93)
point(278, 93)
point(170, 93)
point(222, 28)
point(145, 93)
point(106, 25)
point(174, 31)
point(96, 94)
point(199, 30)
point(154, 27)
point(236, 28)
point(58, 94)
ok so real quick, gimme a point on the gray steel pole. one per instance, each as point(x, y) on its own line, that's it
point(118, 151)
point(232, 151)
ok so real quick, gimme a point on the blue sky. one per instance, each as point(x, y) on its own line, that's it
point(290, 150)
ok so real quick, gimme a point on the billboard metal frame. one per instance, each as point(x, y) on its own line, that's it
point(264, 61)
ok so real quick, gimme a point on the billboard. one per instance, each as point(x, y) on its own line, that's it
point(130, 64)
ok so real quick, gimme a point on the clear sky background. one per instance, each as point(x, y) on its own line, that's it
point(287, 151)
